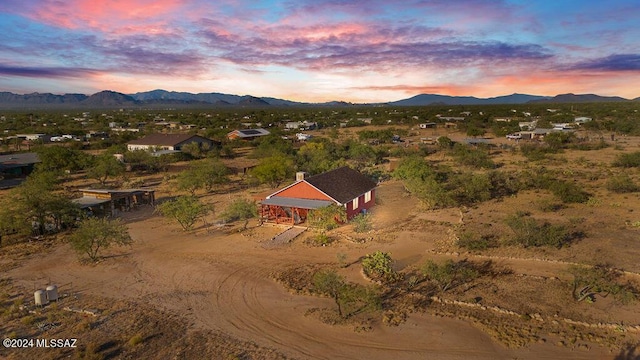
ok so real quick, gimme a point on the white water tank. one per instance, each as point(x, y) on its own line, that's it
point(52, 293)
point(40, 297)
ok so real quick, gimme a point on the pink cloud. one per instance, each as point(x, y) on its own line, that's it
point(114, 16)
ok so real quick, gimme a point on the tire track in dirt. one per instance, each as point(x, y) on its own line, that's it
point(248, 304)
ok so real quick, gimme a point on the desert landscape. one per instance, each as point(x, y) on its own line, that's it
point(221, 291)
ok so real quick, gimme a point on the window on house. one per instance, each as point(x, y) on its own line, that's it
point(367, 196)
point(354, 204)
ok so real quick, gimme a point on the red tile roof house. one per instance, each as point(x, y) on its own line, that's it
point(343, 186)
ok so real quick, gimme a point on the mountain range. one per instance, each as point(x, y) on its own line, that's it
point(163, 98)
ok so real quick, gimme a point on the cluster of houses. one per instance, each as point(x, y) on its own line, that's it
point(530, 131)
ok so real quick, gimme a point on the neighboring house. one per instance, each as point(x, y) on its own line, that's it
point(35, 137)
point(563, 126)
point(247, 134)
point(173, 142)
point(293, 125)
point(427, 125)
point(18, 165)
point(102, 202)
point(536, 134)
point(582, 120)
point(450, 118)
point(527, 125)
point(343, 186)
point(14, 168)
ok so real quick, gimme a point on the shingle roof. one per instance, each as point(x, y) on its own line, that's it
point(162, 139)
point(20, 159)
point(342, 184)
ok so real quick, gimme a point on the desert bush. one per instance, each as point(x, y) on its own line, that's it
point(361, 223)
point(470, 241)
point(478, 158)
point(449, 274)
point(628, 160)
point(568, 192)
point(534, 152)
point(622, 183)
point(529, 233)
point(548, 205)
point(240, 209)
point(327, 217)
point(602, 280)
point(378, 266)
point(321, 239)
point(136, 340)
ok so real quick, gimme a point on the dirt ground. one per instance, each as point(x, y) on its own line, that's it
point(211, 292)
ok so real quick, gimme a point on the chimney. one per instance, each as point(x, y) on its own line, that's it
point(300, 175)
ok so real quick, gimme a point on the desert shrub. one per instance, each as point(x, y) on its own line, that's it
point(504, 183)
point(378, 266)
point(321, 239)
point(361, 223)
point(449, 274)
point(601, 279)
point(622, 183)
point(470, 241)
point(469, 188)
point(327, 217)
point(568, 192)
point(587, 146)
point(628, 160)
point(478, 158)
point(558, 140)
point(529, 233)
point(136, 339)
point(548, 205)
point(240, 209)
point(534, 152)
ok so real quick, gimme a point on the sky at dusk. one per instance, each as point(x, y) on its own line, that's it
point(322, 50)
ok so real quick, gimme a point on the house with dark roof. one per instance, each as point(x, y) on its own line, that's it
point(171, 142)
point(247, 134)
point(342, 186)
point(14, 168)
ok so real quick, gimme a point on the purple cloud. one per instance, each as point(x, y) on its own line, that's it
point(45, 72)
point(617, 62)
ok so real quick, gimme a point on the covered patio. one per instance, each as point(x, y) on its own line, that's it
point(290, 211)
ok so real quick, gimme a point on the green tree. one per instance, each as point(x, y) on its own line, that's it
point(37, 206)
point(273, 170)
point(328, 282)
point(96, 234)
point(203, 174)
point(475, 131)
point(186, 210)
point(105, 166)
point(60, 159)
point(351, 299)
point(196, 150)
point(240, 209)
